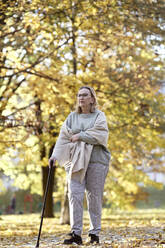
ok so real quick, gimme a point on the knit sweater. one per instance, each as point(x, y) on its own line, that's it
point(80, 123)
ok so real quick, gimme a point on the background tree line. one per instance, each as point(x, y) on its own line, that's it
point(48, 50)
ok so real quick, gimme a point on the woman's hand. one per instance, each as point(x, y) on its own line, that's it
point(52, 161)
point(75, 138)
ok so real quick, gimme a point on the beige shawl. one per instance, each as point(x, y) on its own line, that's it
point(76, 155)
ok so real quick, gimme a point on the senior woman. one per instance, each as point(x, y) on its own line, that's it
point(82, 149)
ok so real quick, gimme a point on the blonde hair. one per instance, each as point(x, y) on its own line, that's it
point(93, 105)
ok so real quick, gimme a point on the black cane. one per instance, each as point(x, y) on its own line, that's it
point(44, 203)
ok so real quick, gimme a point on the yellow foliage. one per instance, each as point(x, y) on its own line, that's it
point(57, 46)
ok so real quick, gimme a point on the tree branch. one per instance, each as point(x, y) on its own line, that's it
point(10, 33)
point(38, 61)
point(20, 109)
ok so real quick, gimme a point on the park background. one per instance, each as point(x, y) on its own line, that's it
point(51, 48)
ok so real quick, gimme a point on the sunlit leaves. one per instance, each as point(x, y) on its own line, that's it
point(49, 49)
point(143, 228)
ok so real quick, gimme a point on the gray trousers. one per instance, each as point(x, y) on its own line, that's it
point(94, 186)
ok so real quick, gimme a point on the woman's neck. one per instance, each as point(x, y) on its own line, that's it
point(85, 110)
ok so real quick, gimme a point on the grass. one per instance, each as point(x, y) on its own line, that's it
point(156, 199)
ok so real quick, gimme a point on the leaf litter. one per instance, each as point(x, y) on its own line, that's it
point(120, 229)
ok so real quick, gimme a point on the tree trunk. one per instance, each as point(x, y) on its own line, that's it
point(49, 201)
point(65, 217)
point(45, 169)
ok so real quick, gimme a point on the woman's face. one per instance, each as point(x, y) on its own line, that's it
point(84, 98)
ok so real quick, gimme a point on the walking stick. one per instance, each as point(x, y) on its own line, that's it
point(44, 203)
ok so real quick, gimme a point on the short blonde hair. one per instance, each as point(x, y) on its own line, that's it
point(93, 94)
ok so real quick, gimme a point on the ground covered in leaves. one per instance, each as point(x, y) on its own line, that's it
point(141, 228)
